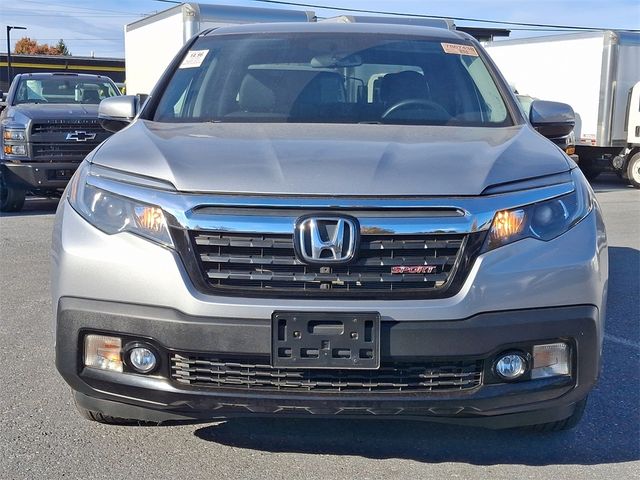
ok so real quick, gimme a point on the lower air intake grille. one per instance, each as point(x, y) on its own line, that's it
point(392, 377)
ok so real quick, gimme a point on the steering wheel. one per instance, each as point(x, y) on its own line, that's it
point(415, 102)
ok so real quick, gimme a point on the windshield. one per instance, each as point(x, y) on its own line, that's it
point(63, 90)
point(332, 78)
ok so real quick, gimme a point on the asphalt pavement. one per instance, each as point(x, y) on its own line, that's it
point(42, 436)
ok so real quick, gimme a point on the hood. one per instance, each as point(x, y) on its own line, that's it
point(53, 111)
point(323, 159)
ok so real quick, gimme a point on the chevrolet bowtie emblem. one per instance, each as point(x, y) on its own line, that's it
point(80, 136)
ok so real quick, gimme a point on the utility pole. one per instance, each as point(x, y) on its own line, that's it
point(9, 28)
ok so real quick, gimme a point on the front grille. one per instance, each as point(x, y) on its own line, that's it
point(67, 126)
point(62, 151)
point(391, 377)
point(266, 265)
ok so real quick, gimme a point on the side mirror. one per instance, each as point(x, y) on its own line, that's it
point(552, 119)
point(115, 113)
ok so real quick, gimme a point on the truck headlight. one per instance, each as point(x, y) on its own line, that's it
point(14, 134)
point(13, 141)
point(113, 213)
point(544, 220)
point(20, 150)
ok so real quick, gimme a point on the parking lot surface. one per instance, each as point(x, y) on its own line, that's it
point(42, 436)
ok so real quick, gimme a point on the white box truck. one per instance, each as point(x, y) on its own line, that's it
point(152, 42)
point(598, 74)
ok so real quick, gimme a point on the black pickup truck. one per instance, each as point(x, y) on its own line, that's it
point(49, 123)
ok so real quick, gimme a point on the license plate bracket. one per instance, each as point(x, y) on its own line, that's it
point(60, 174)
point(325, 340)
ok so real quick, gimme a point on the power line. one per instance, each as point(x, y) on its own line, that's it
point(82, 15)
point(416, 15)
point(79, 8)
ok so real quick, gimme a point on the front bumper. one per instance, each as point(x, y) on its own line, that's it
point(156, 397)
point(47, 176)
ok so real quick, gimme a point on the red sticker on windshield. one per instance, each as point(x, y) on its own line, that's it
point(459, 49)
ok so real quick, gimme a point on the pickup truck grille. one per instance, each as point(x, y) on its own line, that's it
point(49, 142)
point(390, 377)
point(67, 126)
point(267, 265)
point(62, 151)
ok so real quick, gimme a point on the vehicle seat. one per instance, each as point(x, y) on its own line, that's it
point(396, 87)
point(255, 95)
point(90, 96)
point(324, 90)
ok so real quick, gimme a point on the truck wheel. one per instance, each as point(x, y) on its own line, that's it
point(11, 198)
point(633, 170)
point(566, 424)
point(108, 419)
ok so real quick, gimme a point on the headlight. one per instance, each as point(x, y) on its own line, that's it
point(20, 150)
point(13, 141)
point(14, 134)
point(544, 220)
point(113, 213)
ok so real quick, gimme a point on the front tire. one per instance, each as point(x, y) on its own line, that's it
point(11, 197)
point(633, 170)
point(566, 424)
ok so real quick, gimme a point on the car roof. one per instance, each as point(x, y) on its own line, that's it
point(337, 27)
point(85, 76)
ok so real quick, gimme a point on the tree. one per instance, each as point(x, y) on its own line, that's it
point(62, 48)
point(27, 46)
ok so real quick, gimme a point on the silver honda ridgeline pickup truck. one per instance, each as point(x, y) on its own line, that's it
point(330, 220)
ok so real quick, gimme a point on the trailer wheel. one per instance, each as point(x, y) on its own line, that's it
point(633, 170)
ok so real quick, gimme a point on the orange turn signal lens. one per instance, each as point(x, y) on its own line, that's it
point(507, 224)
point(150, 218)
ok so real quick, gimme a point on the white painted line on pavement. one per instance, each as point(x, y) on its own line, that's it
point(622, 341)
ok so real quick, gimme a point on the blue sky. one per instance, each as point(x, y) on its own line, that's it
point(97, 26)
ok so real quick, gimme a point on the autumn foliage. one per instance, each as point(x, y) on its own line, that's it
point(26, 46)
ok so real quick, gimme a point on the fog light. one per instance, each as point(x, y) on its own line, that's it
point(511, 366)
point(550, 360)
point(103, 352)
point(142, 359)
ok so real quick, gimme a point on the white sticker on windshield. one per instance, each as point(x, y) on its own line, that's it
point(459, 49)
point(193, 59)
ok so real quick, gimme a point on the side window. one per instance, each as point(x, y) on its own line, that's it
point(494, 107)
point(173, 102)
point(186, 94)
point(178, 107)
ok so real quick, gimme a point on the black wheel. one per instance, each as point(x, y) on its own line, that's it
point(11, 198)
point(108, 419)
point(566, 424)
point(633, 170)
point(591, 173)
